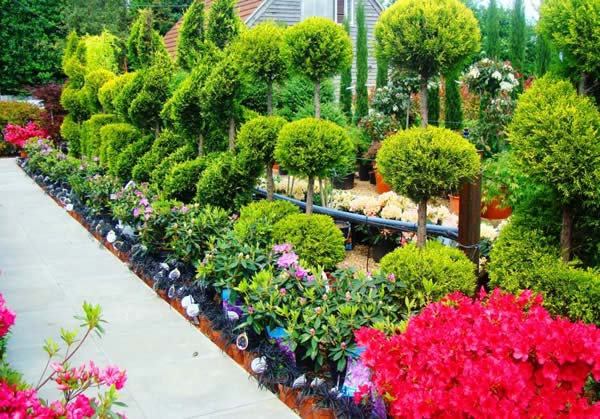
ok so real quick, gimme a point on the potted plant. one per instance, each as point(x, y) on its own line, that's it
point(497, 179)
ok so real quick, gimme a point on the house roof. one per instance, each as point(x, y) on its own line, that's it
point(245, 8)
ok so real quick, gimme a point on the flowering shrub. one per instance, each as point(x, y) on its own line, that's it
point(7, 318)
point(130, 203)
point(474, 358)
point(18, 135)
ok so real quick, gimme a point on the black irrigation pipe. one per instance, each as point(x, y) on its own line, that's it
point(432, 229)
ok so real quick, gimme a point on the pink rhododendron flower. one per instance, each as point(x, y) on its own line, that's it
point(136, 212)
point(112, 375)
point(282, 248)
point(18, 135)
point(287, 259)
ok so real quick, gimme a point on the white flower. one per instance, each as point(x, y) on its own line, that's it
point(488, 231)
point(410, 215)
point(392, 212)
point(111, 237)
point(511, 77)
point(506, 86)
point(497, 75)
point(192, 310)
point(485, 60)
point(474, 73)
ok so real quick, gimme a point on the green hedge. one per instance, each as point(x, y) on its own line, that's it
point(316, 239)
point(180, 183)
point(183, 153)
point(257, 219)
point(90, 134)
point(430, 273)
point(114, 139)
point(166, 143)
point(524, 258)
point(129, 157)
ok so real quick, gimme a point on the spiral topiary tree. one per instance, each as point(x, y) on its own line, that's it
point(554, 137)
point(428, 37)
point(143, 42)
point(224, 24)
point(313, 148)
point(258, 137)
point(318, 48)
point(261, 54)
point(191, 42)
point(421, 163)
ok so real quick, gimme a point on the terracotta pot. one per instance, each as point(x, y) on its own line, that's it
point(23, 154)
point(382, 187)
point(307, 407)
point(495, 211)
point(319, 413)
point(288, 395)
point(454, 205)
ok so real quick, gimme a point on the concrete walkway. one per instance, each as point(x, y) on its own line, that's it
point(50, 265)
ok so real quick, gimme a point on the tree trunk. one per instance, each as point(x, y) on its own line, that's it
point(566, 234)
point(200, 145)
point(309, 195)
point(422, 225)
point(270, 184)
point(424, 112)
point(156, 130)
point(231, 133)
point(270, 99)
point(582, 90)
point(317, 99)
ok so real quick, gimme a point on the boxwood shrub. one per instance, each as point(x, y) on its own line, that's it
point(90, 133)
point(129, 156)
point(316, 239)
point(166, 143)
point(181, 181)
point(430, 273)
point(183, 153)
point(71, 133)
point(524, 258)
point(114, 138)
point(258, 218)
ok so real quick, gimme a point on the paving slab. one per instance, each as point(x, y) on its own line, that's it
point(50, 265)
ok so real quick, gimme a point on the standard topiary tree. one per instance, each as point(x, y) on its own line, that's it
point(258, 137)
point(362, 95)
point(318, 48)
point(191, 42)
point(428, 37)
point(261, 54)
point(313, 148)
point(143, 42)
point(572, 25)
point(257, 220)
point(421, 163)
point(346, 83)
point(554, 137)
point(224, 25)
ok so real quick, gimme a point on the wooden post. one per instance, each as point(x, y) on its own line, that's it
point(469, 218)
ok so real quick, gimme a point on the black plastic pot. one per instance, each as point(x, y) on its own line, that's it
point(344, 183)
point(372, 178)
point(363, 172)
point(381, 249)
point(282, 171)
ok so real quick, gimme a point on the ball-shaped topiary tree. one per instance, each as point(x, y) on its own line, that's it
point(261, 54)
point(313, 148)
point(318, 48)
point(428, 37)
point(258, 137)
point(424, 162)
point(554, 137)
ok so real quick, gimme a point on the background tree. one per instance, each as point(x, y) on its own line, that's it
point(94, 16)
point(362, 95)
point(383, 67)
point(313, 148)
point(517, 36)
point(572, 25)
point(346, 83)
point(191, 41)
point(421, 163)
point(453, 119)
point(32, 37)
point(433, 103)
point(224, 25)
point(318, 48)
point(492, 24)
point(166, 12)
point(258, 138)
point(143, 42)
point(554, 137)
point(261, 55)
point(427, 37)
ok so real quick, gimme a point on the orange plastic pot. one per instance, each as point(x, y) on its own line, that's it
point(381, 186)
point(495, 211)
point(454, 205)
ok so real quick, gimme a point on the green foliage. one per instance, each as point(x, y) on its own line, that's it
point(422, 163)
point(114, 139)
point(191, 44)
point(166, 12)
point(129, 157)
point(222, 88)
point(430, 273)
point(129, 85)
point(180, 183)
point(94, 80)
point(258, 137)
point(111, 90)
point(297, 93)
point(144, 43)
point(383, 68)
point(316, 239)
point(492, 40)
point(103, 52)
point(517, 36)
point(329, 112)
point(318, 48)
point(70, 49)
point(312, 147)
point(166, 143)
point(183, 153)
point(18, 113)
point(90, 134)
point(73, 100)
point(362, 96)
point(525, 258)
point(95, 16)
point(227, 182)
point(453, 119)
point(573, 26)
point(224, 24)
point(70, 131)
point(554, 137)
point(257, 219)
point(346, 83)
point(427, 36)
point(433, 104)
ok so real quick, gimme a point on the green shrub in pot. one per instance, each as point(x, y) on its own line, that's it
point(257, 219)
